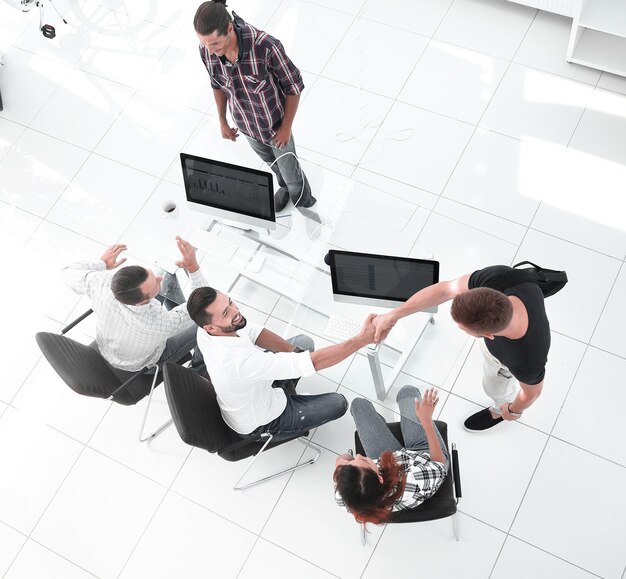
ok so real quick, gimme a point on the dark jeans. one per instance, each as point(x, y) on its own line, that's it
point(304, 412)
point(287, 170)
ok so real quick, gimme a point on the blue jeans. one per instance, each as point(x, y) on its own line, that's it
point(287, 169)
point(375, 434)
point(303, 411)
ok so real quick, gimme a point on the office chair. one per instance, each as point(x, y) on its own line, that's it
point(443, 503)
point(197, 417)
point(86, 372)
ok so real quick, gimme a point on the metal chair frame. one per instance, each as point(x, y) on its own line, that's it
point(133, 378)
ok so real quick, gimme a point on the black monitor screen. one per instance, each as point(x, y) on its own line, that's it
point(228, 187)
point(380, 276)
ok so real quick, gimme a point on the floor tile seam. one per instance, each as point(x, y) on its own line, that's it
point(80, 454)
point(386, 116)
point(282, 548)
point(212, 512)
point(11, 402)
point(526, 542)
point(51, 551)
point(10, 148)
point(521, 243)
point(474, 227)
point(530, 480)
point(119, 11)
point(471, 137)
point(314, 3)
point(54, 495)
point(257, 538)
point(580, 118)
point(485, 211)
point(621, 268)
point(50, 426)
point(282, 492)
point(495, 562)
point(354, 17)
point(156, 510)
point(155, 95)
point(44, 220)
point(56, 88)
point(535, 228)
point(587, 451)
point(394, 195)
point(620, 356)
point(369, 559)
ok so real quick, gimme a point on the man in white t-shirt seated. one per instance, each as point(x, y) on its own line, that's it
point(254, 371)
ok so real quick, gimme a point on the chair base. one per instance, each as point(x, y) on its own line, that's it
point(163, 426)
point(307, 443)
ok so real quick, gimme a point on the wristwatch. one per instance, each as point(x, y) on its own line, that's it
point(511, 412)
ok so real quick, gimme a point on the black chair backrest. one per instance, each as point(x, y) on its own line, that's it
point(86, 371)
point(194, 408)
point(442, 504)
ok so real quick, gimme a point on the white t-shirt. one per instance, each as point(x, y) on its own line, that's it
point(242, 375)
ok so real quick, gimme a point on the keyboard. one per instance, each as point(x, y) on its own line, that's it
point(341, 328)
point(213, 245)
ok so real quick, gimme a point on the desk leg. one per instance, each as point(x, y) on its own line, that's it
point(377, 373)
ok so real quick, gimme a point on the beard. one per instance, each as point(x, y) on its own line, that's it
point(234, 327)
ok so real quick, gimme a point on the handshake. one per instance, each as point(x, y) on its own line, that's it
point(375, 329)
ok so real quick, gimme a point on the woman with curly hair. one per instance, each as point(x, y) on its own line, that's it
point(392, 477)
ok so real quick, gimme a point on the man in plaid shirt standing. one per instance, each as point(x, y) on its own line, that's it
point(251, 72)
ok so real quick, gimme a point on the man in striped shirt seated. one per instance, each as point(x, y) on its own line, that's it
point(133, 330)
point(251, 72)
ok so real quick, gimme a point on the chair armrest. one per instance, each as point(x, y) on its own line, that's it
point(77, 321)
point(235, 445)
point(456, 473)
point(128, 382)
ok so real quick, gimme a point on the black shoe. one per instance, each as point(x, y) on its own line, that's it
point(281, 198)
point(482, 420)
point(312, 201)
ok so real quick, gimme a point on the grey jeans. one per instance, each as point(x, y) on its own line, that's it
point(179, 344)
point(375, 434)
point(287, 170)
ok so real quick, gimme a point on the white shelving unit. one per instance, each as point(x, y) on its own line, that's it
point(598, 37)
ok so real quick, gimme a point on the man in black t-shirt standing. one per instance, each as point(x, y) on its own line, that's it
point(515, 330)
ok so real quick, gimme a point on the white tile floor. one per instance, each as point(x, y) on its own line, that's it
point(446, 126)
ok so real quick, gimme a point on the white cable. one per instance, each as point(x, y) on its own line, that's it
point(299, 167)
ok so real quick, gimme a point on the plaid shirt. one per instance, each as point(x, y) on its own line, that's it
point(129, 337)
point(257, 84)
point(423, 478)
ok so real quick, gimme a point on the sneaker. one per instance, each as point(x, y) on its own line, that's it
point(281, 198)
point(482, 420)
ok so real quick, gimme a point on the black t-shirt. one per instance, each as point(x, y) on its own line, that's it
point(525, 357)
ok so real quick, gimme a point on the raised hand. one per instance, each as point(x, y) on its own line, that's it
point(188, 254)
point(425, 409)
point(111, 254)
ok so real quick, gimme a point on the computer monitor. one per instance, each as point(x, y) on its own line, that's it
point(236, 195)
point(379, 280)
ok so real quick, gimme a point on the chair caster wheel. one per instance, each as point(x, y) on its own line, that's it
point(48, 31)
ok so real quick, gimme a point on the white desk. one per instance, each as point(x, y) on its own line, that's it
point(304, 280)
